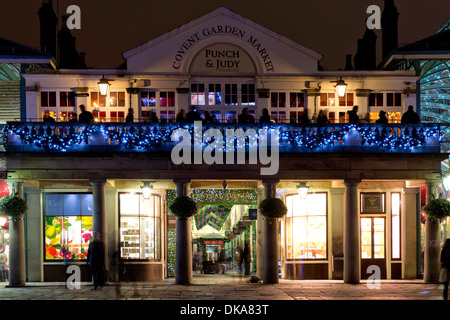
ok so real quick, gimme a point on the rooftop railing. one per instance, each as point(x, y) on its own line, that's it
point(66, 137)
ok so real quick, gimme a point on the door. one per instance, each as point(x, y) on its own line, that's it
point(373, 246)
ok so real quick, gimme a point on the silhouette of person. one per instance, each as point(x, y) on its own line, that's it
point(85, 116)
point(445, 267)
point(245, 117)
point(410, 116)
point(246, 256)
point(130, 115)
point(265, 117)
point(382, 117)
point(353, 115)
point(96, 260)
point(48, 117)
point(322, 118)
point(180, 116)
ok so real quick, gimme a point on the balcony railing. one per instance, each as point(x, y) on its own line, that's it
point(38, 137)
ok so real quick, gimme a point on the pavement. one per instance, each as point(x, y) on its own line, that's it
point(218, 290)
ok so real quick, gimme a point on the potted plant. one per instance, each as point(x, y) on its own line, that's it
point(184, 207)
point(272, 208)
point(13, 206)
point(437, 209)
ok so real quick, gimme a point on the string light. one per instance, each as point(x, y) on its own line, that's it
point(147, 137)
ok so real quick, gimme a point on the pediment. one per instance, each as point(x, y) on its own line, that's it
point(181, 50)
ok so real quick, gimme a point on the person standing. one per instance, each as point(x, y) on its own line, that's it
point(3, 261)
point(85, 116)
point(353, 115)
point(445, 267)
point(246, 256)
point(410, 116)
point(96, 260)
point(382, 117)
point(238, 258)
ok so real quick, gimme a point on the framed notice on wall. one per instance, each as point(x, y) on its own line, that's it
point(373, 203)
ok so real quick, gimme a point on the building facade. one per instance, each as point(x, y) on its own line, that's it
point(366, 181)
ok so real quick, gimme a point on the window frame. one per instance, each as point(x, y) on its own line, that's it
point(326, 232)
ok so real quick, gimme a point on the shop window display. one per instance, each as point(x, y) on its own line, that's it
point(140, 231)
point(306, 227)
point(68, 226)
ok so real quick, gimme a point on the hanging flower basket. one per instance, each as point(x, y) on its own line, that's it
point(272, 208)
point(184, 207)
point(13, 206)
point(437, 209)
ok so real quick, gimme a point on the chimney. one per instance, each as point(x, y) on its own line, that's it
point(389, 27)
point(348, 62)
point(48, 27)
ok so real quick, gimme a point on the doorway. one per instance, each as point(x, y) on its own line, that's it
point(373, 246)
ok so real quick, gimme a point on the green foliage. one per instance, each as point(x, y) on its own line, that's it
point(184, 207)
point(272, 208)
point(13, 206)
point(437, 209)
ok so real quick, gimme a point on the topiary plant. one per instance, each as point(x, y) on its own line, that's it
point(13, 206)
point(272, 208)
point(437, 209)
point(183, 207)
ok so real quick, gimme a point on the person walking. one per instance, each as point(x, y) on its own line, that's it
point(353, 115)
point(96, 260)
point(445, 267)
point(238, 258)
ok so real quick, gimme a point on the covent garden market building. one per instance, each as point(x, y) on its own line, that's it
point(354, 193)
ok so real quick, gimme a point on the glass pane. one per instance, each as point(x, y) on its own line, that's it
point(395, 226)
point(54, 205)
point(72, 204)
point(129, 238)
point(331, 99)
point(163, 99)
point(378, 238)
point(289, 250)
point(86, 204)
point(63, 99)
point(113, 99)
point(366, 238)
point(129, 204)
point(300, 234)
point(44, 99)
point(53, 232)
point(121, 99)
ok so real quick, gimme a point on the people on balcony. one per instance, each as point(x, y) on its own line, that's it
point(245, 117)
point(193, 115)
point(130, 115)
point(209, 118)
point(382, 117)
point(85, 116)
point(73, 117)
point(265, 117)
point(180, 116)
point(353, 115)
point(152, 117)
point(410, 116)
point(48, 117)
point(322, 118)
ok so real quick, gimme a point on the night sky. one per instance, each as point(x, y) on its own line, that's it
point(329, 27)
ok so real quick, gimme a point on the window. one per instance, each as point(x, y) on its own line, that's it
point(231, 94)
point(140, 227)
point(248, 96)
point(167, 99)
point(66, 99)
point(297, 100)
point(278, 99)
point(117, 99)
point(198, 94)
point(117, 116)
point(68, 225)
point(99, 116)
point(97, 100)
point(215, 95)
point(306, 227)
point(148, 99)
point(327, 99)
point(376, 100)
point(396, 225)
point(346, 101)
point(393, 99)
point(48, 99)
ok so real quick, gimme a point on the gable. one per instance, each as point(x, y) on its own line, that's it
point(182, 49)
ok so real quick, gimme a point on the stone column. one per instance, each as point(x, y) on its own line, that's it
point(409, 236)
point(99, 213)
point(183, 255)
point(432, 242)
point(17, 265)
point(337, 231)
point(352, 272)
point(259, 237)
point(270, 243)
point(35, 238)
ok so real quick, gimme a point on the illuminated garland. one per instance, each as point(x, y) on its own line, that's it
point(149, 137)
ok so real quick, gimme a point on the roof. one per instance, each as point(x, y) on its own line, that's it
point(13, 52)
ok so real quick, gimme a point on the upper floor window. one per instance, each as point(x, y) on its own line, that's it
point(67, 99)
point(148, 99)
point(117, 99)
point(248, 96)
point(48, 99)
point(198, 94)
point(327, 99)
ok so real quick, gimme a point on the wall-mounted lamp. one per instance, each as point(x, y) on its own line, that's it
point(302, 189)
point(103, 86)
point(341, 87)
point(147, 189)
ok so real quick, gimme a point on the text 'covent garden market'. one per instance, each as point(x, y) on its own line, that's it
point(354, 192)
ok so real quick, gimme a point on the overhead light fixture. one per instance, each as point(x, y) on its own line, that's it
point(302, 189)
point(341, 87)
point(147, 189)
point(103, 86)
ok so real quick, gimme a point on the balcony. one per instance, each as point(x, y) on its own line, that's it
point(62, 137)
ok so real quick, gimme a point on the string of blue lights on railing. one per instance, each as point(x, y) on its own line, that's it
point(141, 137)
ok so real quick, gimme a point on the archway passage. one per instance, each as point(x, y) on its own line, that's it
point(222, 225)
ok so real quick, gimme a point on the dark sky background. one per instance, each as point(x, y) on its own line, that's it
point(329, 27)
